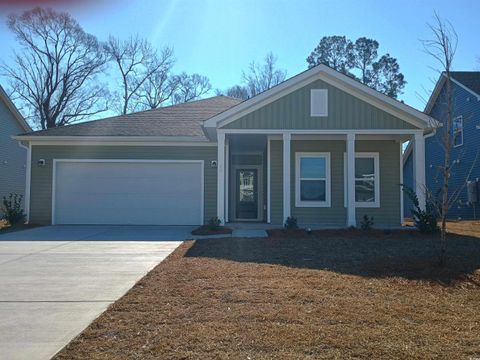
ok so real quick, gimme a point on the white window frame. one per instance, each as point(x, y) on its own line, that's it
point(453, 131)
point(298, 201)
point(313, 95)
point(376, 162)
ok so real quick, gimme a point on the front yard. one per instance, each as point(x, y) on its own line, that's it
point(335, 294)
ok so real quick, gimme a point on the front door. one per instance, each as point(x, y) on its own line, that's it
point(246, 194)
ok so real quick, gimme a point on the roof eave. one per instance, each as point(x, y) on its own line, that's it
point(13, 109)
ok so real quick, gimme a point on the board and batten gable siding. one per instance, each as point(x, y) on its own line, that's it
point(13, 158)
point(345, 111)
point(388, 214)
point(41, 181)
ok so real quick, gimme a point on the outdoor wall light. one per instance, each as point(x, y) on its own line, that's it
point(41, 162)
point(213, 164)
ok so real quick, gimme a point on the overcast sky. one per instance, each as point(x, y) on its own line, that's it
point(219, 38)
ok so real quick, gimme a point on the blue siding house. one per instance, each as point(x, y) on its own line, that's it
point(465, 155)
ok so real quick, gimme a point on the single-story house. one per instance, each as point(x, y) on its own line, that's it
point(320, 147)
point(13, 155)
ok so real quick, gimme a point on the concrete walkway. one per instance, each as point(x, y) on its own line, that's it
point(51, 290)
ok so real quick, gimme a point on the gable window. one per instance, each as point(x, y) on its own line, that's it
point(318, 102)
point(367, 180)
point(457, 131)
point(312, 180)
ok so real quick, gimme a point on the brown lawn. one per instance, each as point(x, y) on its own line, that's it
point(332, 294)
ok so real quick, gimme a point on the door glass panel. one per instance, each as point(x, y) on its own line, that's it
point(247, 197)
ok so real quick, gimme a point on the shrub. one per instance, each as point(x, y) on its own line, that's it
point(214, 223)
point(12, 209)
point(291, 223)
point(426, 221)
point(366, 223)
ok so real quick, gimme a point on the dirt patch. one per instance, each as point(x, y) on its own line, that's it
point(206, 230)
point(325, 296)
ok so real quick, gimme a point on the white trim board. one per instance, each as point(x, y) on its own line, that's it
point(328, 198)
point(323, 131)
point(202, 174)
point(334, 78)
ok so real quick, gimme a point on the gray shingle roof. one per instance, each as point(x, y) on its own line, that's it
point(470, 79)
point(177, 120)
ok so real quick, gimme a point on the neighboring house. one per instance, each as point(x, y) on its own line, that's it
point(465, 154)
point(320, 147)
point(13, 156)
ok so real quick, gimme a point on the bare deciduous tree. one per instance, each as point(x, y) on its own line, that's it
point(442, 48)
point(236, 91)
point(160, 86)
point(260, 78)
point(137, 62)
point(52, 75)
point(190, 87)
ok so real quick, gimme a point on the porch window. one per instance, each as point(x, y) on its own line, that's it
point(367, 180)
point(312, 180)
point(457, 131)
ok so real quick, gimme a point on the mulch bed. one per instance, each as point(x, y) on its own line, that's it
point(206, 230)
point(5, 227)
point(333, 296)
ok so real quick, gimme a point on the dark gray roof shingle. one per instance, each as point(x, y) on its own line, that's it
point(177, 120)
point(470, 79)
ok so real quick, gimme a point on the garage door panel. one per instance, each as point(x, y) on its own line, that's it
point(163, 193)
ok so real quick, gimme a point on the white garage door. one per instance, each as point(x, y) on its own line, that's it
point(123, 192)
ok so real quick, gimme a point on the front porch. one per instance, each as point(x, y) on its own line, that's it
point(325, 179)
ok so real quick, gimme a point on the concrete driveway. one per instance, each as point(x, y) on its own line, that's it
point(51, 290)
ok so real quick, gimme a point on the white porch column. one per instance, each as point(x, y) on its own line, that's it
point(286, 176)
point(351, 214)
point(221, 177)
point(419, 168)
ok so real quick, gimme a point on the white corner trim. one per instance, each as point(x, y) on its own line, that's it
point(286, 176)
point(221, 178)
point(334, 78)
point(402, 218)
point(202, 176)
point(376, 161)
point(351, 208)
point(269, 170)
point(298, 201)
point(28, 181)
point(227, 180)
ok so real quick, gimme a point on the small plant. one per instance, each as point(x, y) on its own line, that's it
point(214, 223)
point(426, 221)
point(12, 209)
point(366, 223)
point(291, 223)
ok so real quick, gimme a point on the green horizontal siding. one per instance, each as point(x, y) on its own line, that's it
point(336, 214)
point(388, 214)
point(41, 181)
point(276, 182)
point(389, 211)
point(345, 111)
